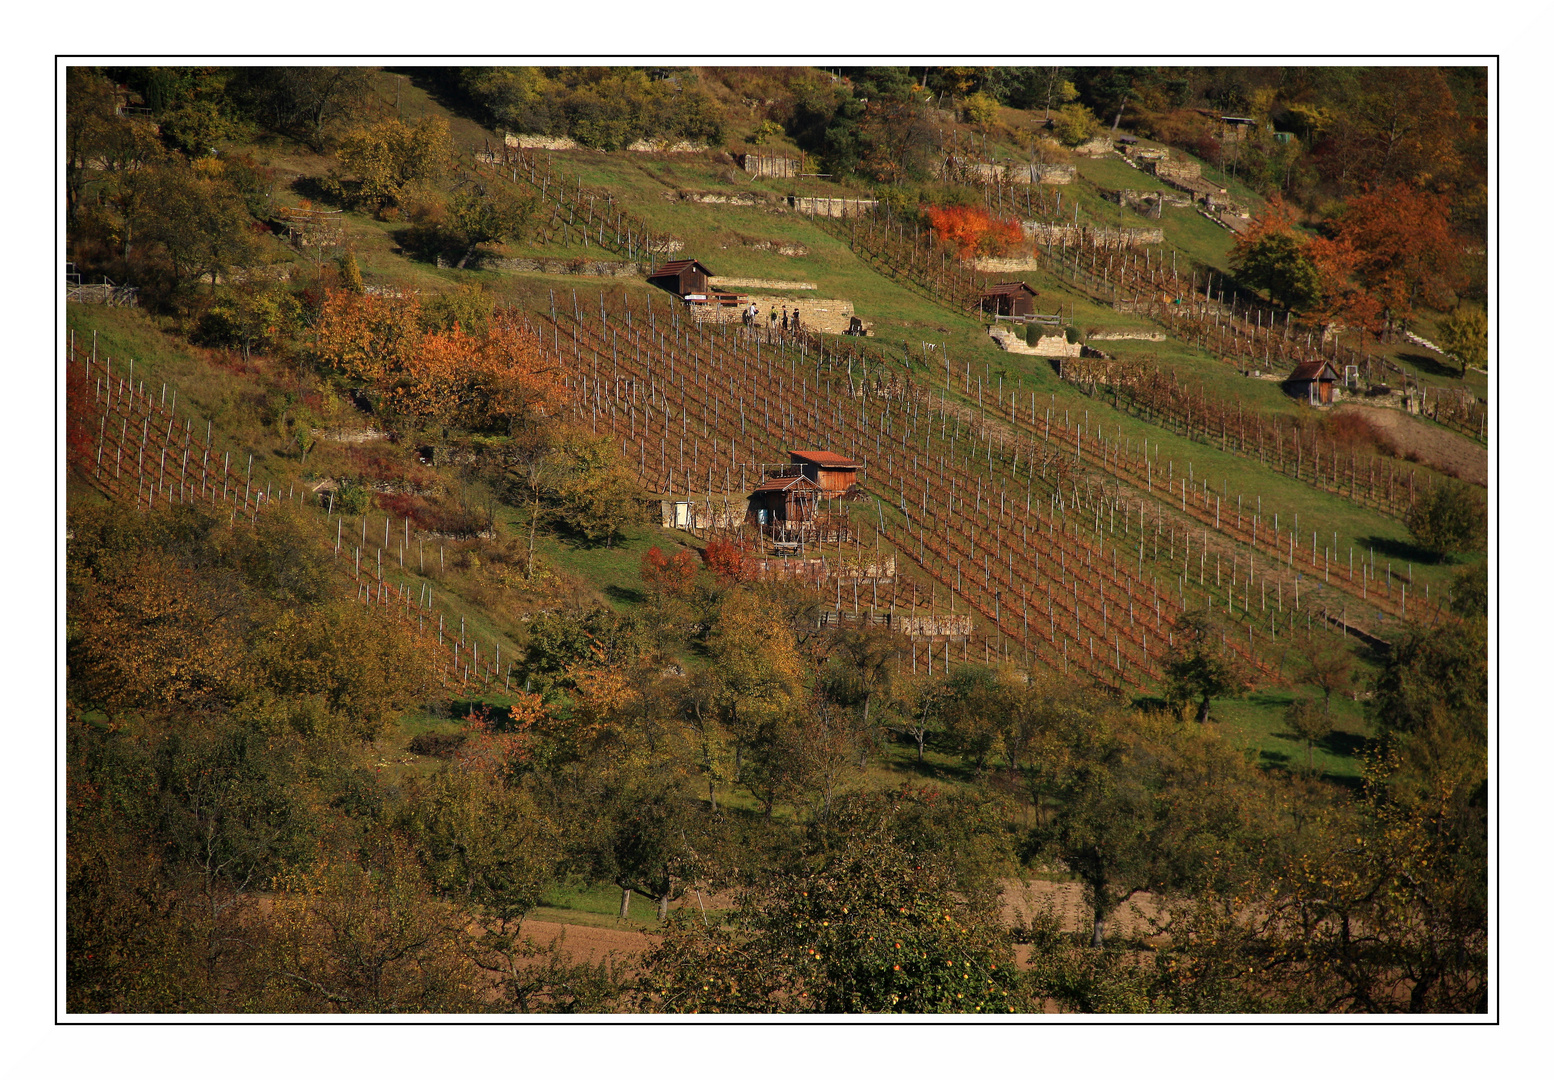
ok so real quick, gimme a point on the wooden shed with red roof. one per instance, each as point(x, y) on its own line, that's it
point(1009, 298)
point(683, 277)
point(1312, 382)
point(833, 473)
point(783, 500)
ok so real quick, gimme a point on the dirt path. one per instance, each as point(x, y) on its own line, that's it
point(1020, 902)
point(1447, 451)
point(590, 943)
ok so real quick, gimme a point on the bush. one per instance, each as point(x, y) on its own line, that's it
point(437, 744)
point(1445, 519)
point(352, 498)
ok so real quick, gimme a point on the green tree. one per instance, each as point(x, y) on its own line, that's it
point(596, 493)
point(1138, 806)
point(1276, 263)
point(1445, 519)
point(1469, 595)
point(1464, 334)
point(1075, 124)
point(377, 162)
point(488, 216)
point(1199, 666)
point(306, 102)
point(875, 920)
point(1309, 725)
point(252, 312)
point(1326, 665)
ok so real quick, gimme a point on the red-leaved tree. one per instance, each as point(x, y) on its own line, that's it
point(726, 559)
point(973, 231)
point(668, 575)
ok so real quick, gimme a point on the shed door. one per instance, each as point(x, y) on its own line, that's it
point(682, 514)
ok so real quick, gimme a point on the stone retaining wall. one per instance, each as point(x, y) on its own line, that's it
point(1046, 345)
point(757, 283)
point(717, 198)
point(804, 204)
point(761, 165)
point(562, 142)
point(1046, 232)
point(570, 266)
point(989, 265)
point(823, 315)
point(1127, 335)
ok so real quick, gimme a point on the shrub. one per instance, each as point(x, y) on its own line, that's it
point(1445, 519)
point(438, 744)
point(726, 559)
point(973, 231)
point(352, 498)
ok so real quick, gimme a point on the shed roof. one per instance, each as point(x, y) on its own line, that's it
point(825, 459)
point(786, 483)
point(673, 268)
point(1007, 287)
point(1318, 370)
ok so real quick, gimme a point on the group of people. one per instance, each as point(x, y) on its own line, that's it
point(786, 322)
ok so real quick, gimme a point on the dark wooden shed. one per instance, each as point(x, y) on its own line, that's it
point(683, 277)
point(1312, 383)
point(783, 501)
point(833, 473)
point(1009, 298)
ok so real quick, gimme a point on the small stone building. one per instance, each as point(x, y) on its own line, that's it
point(833, 473)
point(1009, 298)
point(1312, 383)
point(686, 278)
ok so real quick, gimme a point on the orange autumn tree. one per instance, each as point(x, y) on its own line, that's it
point(1404, 250)
point(973, 231)
point(498, 378)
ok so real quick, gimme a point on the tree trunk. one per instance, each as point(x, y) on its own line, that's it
point(533, 522)
point(625, 901)
point(663, 906)
point(466, 257)
point(920, 736)
point(1098, 938)
point(1203, 710)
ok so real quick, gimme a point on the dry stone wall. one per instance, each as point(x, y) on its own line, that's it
point(757, 283)
point(989, 265)
point(1044, 232)
point(836, 208)
point(570, 266)
point(762, 165)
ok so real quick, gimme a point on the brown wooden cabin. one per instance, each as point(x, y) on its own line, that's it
point(683, 277)
point(833, 473)
point(1009, 298)
point(1312, 383)
point(783, 501)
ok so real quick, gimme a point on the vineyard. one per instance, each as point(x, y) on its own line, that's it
point(1190, 302)
point(1067, 568)
point(1145, 391)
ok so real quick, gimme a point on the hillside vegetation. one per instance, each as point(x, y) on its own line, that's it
point(380, 649)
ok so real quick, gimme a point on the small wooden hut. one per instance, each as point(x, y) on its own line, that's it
point(1312, 382)
point(1009, 298)
point(833, 473)
point(783, 501)
point(686, 278)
